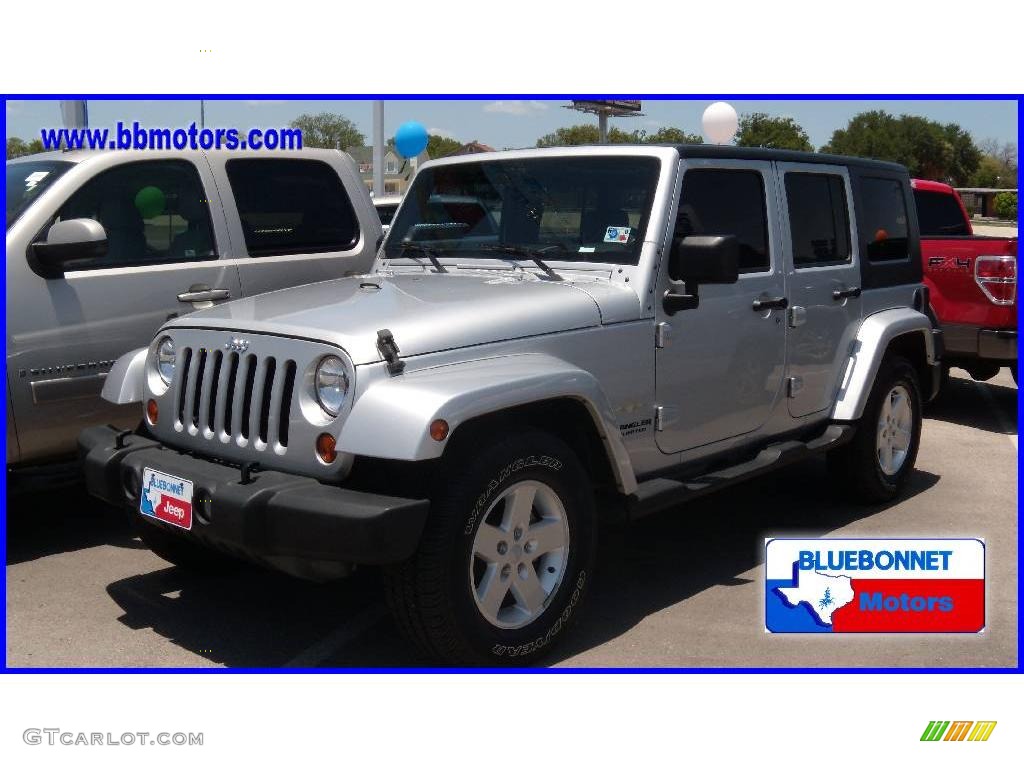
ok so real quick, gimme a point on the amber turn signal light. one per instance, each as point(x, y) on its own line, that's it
point(325, 448)
point(152, 412)
point(439, 429)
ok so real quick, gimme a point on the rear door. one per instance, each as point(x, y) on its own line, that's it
point(720, 369)
point(296, 220)
point(824, 281)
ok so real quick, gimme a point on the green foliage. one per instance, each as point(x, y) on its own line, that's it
point(929, 149)
point(1006, 206)
point(998, 167)
point(761, 130)
point(19, 147)
point(588, 133)
point(328, 130)
point(441, 146)
point(670, 135)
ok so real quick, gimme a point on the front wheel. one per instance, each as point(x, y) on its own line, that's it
point(506, 557)
point(875, 465)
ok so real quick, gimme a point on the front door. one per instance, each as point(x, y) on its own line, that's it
point(720, 366)
point(824, 281)
point(65, 332)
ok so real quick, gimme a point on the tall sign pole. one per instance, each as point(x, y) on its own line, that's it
point(75, 113)
point(605, 108)
point(202, 113)
point(378, 148)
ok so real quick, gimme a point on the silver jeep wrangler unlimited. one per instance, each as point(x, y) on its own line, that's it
point(547, 337)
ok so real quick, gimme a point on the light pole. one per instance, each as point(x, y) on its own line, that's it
point(378, 148)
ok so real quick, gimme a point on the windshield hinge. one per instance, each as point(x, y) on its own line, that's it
point(389, 351)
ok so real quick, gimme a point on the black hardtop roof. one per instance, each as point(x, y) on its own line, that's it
point(728, 152)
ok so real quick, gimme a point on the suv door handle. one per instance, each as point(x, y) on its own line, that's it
point(846, 293)
point(204, 293)
point(779, 302)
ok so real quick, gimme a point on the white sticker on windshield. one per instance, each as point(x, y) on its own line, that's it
point(617, 234)
point(34, 178)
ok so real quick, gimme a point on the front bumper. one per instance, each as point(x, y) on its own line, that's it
point(293, 523)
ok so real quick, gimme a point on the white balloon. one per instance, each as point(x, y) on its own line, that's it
point(720, 122)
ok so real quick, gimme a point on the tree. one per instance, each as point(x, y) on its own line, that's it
point(671, 135)
point(572, 136)
point(758, 129)
point(929, 149)
point(18, 147)
point(998, 166)
point(328, 130)
point(441, 146)
point(1006, 206)
point(575, 135)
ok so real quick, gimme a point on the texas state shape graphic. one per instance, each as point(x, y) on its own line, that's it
point(823, 594)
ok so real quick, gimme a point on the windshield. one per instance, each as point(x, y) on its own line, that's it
point(27, 181)
point(588, 209)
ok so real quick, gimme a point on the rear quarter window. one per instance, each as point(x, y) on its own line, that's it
point(290, 206)
point(884, 219)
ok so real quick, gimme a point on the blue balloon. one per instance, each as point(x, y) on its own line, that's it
point(411, 139)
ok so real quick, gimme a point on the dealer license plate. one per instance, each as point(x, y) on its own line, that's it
point(166, 498)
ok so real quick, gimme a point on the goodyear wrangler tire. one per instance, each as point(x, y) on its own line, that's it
point(875, 465)
point(506, 558)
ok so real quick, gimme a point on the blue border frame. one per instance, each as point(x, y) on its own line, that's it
point(1019, 98)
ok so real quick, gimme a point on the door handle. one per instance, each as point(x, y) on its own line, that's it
point(846, 293)
point(204, 293)
point(761, 304)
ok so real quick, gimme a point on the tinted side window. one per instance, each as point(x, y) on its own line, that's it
point(727, 202)
point(818, 220)
point(153, 212)
point(884, 219)
point(292, 206)
point(939, 215)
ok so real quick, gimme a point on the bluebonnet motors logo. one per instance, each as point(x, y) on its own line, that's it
point(874, 585)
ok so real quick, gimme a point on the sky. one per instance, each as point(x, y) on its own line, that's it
point(508, 123)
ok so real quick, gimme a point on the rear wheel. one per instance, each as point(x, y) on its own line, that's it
point(875, 465)
point(506, 558)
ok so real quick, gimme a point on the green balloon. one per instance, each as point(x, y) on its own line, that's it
point(150, 202)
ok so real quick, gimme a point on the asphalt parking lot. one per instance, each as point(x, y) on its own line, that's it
point(684, 588)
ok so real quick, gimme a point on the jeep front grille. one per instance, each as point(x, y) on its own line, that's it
point(234, 397)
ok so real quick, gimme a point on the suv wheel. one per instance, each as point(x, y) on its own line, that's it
point(506, 556)
point(875, 465)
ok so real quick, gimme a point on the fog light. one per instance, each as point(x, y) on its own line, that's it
point(325, 448)
point(439, 429)
point(152, 412)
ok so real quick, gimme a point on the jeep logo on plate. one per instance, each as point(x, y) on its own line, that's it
point(236, 345)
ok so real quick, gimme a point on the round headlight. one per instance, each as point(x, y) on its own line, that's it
point(331, 384)
point(165, 359)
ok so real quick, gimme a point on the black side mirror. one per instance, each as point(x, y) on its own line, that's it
point(696, 259)
point(68, 241)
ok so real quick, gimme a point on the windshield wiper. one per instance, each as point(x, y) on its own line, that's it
point(426, 250)
point(533, 254)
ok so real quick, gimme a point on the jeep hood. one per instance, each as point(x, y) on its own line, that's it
point(425, 312)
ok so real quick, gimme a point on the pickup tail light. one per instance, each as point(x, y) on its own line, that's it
point(997, 278)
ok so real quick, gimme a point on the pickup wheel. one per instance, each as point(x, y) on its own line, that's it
point(875, 465)
point(181, 551)
point(506, 557)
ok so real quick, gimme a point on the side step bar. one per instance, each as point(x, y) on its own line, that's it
point(660, 493)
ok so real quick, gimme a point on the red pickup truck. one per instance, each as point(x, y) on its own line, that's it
point(972, 281)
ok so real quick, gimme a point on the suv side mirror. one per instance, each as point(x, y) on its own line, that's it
point(696, 259)
point(68, 241)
